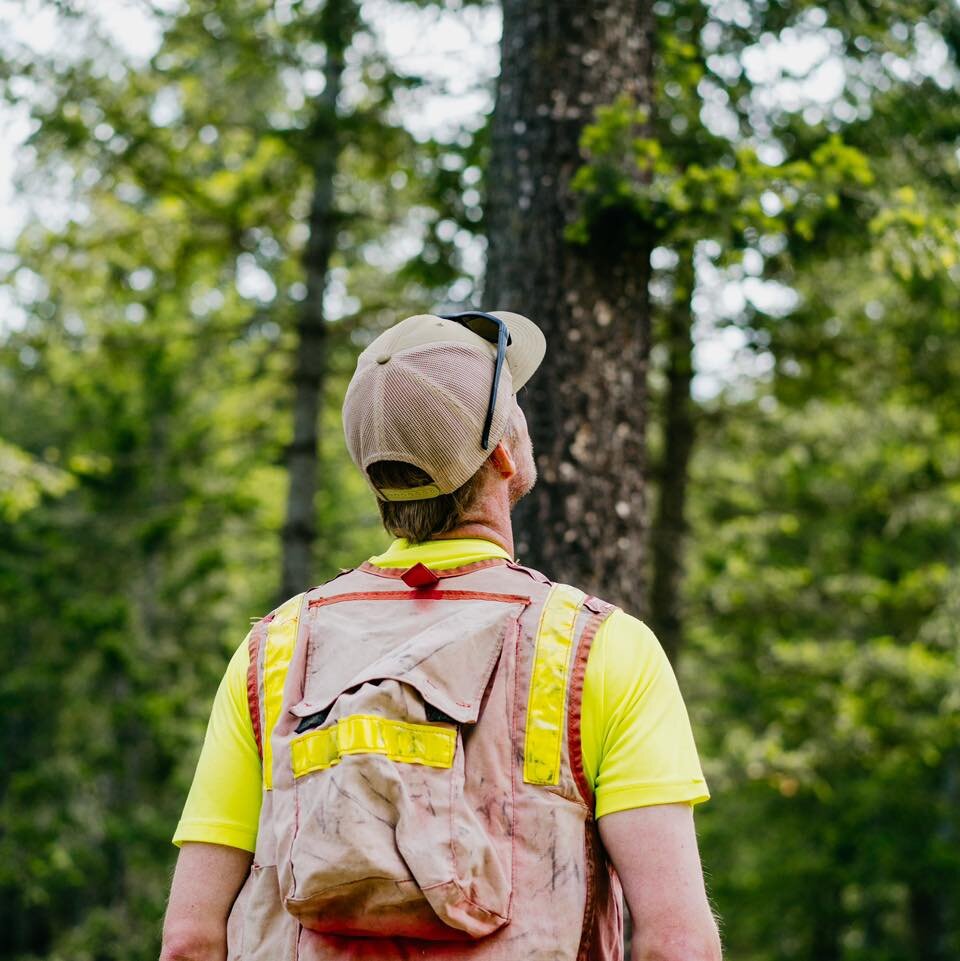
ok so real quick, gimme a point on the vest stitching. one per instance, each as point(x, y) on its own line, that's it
point(589, 909)
point(530, 572)
point(575, 751)
point(575, 709)
point(428, 595)
point(253, 680)
point(296, 835)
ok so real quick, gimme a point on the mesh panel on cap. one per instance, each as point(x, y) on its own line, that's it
point(426, 407)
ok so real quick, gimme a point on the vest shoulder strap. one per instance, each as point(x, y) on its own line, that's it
point(257, 647)
point(255, 641)
point(270, 648)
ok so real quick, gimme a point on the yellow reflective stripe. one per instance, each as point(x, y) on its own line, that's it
point(548, 685)
point(366, 734)
point(281, 640)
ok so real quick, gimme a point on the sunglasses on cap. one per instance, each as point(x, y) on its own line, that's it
point(493, 330)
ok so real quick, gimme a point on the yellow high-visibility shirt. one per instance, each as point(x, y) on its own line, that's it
point(638, 748)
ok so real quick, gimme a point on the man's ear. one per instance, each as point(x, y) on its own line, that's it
point(503, 462)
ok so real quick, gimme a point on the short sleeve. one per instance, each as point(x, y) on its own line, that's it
point(638, 747)
point(223, 806)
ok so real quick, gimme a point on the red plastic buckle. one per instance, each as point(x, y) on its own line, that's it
point(419, 576)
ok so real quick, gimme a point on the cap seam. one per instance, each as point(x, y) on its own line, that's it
point(485, 347)
point(378, 412)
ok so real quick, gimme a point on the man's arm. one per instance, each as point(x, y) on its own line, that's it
point(654, 850)
point(205, 885)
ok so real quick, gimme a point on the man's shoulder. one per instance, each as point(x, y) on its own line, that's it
point(578, 595)
point(293, 605)
point(289, 609)
point(627, 644)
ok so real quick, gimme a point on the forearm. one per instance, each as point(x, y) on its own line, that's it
point(194, 945)
point(680, 946)
point(205, 885)
point(655, 853)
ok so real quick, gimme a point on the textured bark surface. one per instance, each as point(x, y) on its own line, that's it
point(669, 531)
point(585, 521)
point(323, 146)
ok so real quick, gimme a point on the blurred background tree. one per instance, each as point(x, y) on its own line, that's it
point(560, 61)
point(205, 213)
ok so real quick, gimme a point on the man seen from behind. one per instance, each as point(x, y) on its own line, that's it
point(442, 754)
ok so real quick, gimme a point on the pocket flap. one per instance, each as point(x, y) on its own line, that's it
point(446, 650)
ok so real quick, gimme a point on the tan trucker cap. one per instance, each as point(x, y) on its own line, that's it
point(420, 394)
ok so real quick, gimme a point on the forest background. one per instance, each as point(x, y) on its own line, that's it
point(219, 203)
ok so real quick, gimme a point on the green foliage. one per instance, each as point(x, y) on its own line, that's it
point(24, 481)
point(734, 200)
point(821, 598)
point(917, 239)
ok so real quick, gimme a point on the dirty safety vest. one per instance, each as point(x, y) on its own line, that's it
point(424, 795)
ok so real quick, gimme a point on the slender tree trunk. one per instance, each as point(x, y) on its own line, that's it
point(926, 921)
point(585, 522)
point(322, 144)
point(669, 529)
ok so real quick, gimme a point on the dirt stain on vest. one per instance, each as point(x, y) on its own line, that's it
point(357, 803)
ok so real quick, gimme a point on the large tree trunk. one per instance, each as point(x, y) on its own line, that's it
point(322, 143)
point(585, 521)
point(669, 532)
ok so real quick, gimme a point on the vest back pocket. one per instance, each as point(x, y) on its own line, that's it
point(401, 822)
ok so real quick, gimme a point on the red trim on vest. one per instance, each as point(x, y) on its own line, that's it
point(398, 572)
point(602, 611)
point(602, 886)
point(427, 595)
point(253, 681)
point(590, 906)
point(534, 574)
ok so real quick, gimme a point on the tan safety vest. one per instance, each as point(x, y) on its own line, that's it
point(424, 795)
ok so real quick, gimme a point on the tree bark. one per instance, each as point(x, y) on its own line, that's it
point(669, 531)
point(322, 145)
point(585, 522)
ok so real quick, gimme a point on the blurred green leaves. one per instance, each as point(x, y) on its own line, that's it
point(24, 481)
point(738, 198)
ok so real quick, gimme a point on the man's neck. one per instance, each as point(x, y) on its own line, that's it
point(488, 516)
point(483, 529)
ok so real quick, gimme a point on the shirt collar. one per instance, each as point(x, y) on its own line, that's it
point(439, 555)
